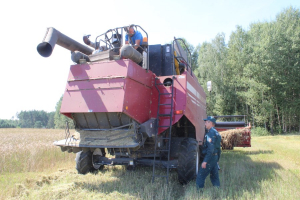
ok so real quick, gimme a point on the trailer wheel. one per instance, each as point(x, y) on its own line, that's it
point(84, 162)
point(188, 160)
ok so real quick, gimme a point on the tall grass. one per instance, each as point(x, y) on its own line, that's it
point(270, 169)
point(259, 131)
point(30, 150)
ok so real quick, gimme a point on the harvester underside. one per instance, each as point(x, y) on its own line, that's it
point(110, 138)
point(100, 120)
point(103, 130)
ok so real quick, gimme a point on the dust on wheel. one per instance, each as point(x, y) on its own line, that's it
point(188, 160)
point(84, 162)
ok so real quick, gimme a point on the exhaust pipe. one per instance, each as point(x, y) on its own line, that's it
point(53, 37)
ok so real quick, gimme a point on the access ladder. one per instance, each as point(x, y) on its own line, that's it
point(169, 116)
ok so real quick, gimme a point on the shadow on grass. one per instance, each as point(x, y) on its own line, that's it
point(241, 174)
point(135, 184)
point(251, 152)
point(241, 177)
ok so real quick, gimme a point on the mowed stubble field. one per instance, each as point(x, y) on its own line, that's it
point(32, 168)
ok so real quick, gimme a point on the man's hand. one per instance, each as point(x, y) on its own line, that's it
point(137, 44)
point(203, 165)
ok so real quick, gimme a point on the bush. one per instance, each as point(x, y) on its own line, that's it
point(38, 124)
point(259, 131)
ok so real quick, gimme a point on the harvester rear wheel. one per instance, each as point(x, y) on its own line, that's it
point(188, 160)
point(84, 162)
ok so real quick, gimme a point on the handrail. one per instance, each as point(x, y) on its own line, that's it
point(189, 61)
point(147, 46)
point(115, 31)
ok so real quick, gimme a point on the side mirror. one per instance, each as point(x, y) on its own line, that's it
point(209, 86)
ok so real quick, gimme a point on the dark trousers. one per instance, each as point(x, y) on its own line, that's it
point(140, 50)
point(212, 169)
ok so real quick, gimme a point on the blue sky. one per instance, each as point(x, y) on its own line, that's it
point(30, 82)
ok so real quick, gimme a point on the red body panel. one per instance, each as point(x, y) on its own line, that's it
point(113, 86)
point(247, 139)
point(189, 97)
point(123, 86)
point(196, 105)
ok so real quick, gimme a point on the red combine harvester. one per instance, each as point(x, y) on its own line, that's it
point(143, 109)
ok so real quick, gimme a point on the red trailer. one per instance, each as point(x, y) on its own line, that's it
point(228, 125)
point(143, 109)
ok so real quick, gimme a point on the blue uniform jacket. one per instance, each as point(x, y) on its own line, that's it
point(211, 145)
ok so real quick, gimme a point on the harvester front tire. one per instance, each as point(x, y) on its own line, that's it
point(188, 160)
point(84, 163)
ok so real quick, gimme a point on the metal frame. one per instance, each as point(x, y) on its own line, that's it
point(189, 55)
point(172, 164)
point(115, 31)
point(112, 129)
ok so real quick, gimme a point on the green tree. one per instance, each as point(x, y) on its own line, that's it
point(213, 67)
point(38, 124)
point(257, 73)
point(50, 123)
point(27, 119)
point(5, 123)
point(61, 120)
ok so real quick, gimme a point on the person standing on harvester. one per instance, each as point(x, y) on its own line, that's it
point(211, 151)
point(134, 38)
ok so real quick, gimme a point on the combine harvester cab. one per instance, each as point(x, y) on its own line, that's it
point(142, 109)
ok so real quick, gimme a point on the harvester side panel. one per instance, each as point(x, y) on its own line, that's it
point(94, 96)
point(196, 105)
point(165, 101)
point(137, 101)
point(189, 97)
point(115, 86)
point(98, 70)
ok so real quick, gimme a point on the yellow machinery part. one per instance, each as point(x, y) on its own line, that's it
point(176, 64)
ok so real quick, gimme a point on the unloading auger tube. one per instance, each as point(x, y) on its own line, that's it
point(53, 37)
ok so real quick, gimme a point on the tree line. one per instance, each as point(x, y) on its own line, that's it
point(38, 119)
point(256, 73)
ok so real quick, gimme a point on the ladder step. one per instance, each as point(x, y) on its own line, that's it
point(164, 93)
point(170, 117)
point(165, 115)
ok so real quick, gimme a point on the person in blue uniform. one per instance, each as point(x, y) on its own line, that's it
point(211, 152)
point(135, 38)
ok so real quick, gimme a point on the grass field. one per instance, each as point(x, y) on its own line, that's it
point(32, 168)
